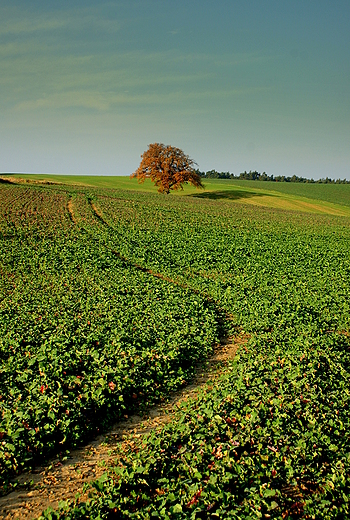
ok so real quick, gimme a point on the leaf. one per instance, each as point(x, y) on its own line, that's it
point(177, 508)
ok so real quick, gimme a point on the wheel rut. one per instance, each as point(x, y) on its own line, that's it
point(58, 481)
point(48, 485)
point(70, 209)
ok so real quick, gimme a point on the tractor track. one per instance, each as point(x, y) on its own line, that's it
point(56, 481)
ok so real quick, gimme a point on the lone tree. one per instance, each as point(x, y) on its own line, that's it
point(168, 167)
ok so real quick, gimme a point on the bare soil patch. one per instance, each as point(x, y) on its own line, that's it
point(20, 180)
point(71, 211)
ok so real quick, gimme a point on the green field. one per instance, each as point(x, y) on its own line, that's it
point(111, 294)
point(310, 198)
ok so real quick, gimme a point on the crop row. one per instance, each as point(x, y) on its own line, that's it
point(81, 327)
point(271, 440)
point(85, 338)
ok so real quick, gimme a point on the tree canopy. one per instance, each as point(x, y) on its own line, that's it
point(168, 167)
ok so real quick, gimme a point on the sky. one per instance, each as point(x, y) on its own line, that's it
point(86, 86)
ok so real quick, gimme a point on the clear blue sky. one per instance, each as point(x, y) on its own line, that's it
point(85, 85)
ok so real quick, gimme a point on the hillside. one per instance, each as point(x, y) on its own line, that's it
point(111, 297)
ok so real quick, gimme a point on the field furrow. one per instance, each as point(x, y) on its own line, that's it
point(110, 298)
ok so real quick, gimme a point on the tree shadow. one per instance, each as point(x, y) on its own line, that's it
point(230, 195)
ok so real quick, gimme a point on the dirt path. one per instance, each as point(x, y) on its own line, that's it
point(57, 481)
point(62, 481)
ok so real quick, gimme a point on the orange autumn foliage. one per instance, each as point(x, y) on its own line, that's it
point(168, 167)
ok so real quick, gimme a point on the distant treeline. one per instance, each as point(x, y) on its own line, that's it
point(256, 176)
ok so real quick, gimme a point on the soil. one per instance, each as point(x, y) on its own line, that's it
point(60, 481)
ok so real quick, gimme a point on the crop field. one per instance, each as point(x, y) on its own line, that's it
point(111, 296)
point(310, 198)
